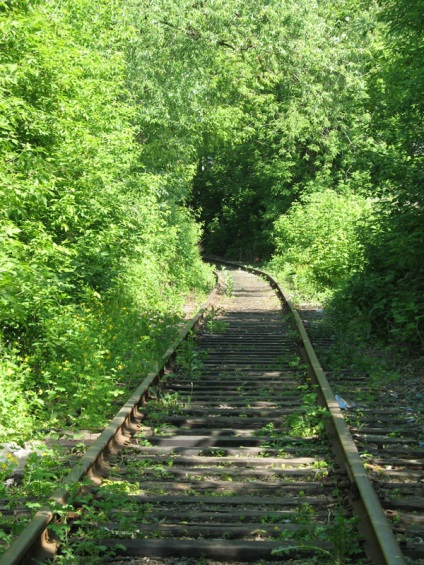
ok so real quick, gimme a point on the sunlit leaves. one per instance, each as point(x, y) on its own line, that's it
point(303, 125)
point(92, 194)
point(317, 241)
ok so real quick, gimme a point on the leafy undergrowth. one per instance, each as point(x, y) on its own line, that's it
point(89, 355)
point(99, 352)
point(317, 242)
point(97, 248)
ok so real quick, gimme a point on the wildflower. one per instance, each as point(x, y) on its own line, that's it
point(11, 458)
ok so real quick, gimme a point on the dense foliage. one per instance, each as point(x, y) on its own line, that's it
point(291, 130)
point(317, 241)
point(332, 101)
point(95, 242)
point(304, 127)
point(389, 293)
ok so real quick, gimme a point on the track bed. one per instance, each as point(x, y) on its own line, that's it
point(386, 422)
point(230, 463)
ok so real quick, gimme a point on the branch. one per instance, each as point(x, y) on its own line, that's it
point(196, 34)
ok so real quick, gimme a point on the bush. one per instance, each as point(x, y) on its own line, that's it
point(317, 242)
point(96, 251)
point(387, 295)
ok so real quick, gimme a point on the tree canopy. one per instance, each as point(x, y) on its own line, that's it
point(131, 131)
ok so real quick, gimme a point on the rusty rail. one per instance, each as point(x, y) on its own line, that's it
point(380, 543)
point(34, 543)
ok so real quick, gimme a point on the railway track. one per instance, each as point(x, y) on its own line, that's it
point(387, 427)
point(229, 457)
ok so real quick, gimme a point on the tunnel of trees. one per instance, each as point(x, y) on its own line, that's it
point(136, 134)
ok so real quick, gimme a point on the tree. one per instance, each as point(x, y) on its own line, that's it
point(304, 126)
point(389, 291)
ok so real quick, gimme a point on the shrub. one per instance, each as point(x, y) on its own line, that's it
point(317, 241)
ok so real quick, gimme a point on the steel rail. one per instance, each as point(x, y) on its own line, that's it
point(34, 543)
point(380, 543)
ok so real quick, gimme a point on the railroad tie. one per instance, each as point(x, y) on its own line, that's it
point(229, 465)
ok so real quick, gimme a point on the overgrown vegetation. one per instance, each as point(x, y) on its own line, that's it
point(326, 172)
point(301, 89)
point(291, 130)
point(317, 241)
point(97, 248)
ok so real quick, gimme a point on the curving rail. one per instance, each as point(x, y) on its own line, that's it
point(380, 545)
